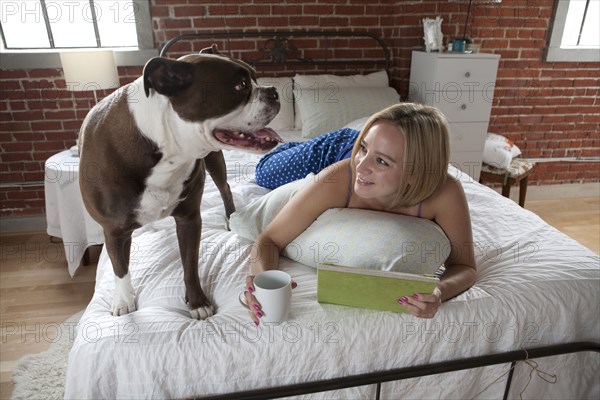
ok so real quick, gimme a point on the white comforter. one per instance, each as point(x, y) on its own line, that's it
point(535, 287)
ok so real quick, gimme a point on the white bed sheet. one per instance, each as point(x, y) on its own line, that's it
point(535, 287)
point(292, 136)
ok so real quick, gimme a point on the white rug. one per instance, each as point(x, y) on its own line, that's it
point(42, 376)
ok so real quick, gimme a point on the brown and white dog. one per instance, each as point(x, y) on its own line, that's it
point(144, 150)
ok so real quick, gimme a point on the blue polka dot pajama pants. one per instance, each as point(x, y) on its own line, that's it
point(294, 160)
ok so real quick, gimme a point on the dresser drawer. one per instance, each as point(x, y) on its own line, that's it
point(468, 136)
point(461, 73)
point(464, 106)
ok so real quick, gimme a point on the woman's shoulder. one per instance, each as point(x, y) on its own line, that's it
point(336, 174)
point(451, 184)
point(450, 194)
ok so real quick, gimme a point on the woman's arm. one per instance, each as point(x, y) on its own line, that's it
point(452, 215)
point(328, 189)
point(454, 219)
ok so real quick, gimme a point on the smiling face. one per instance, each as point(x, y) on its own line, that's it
point(379, 164)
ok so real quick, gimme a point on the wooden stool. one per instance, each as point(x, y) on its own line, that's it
point(518, 172)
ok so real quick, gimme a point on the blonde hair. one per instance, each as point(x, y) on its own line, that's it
point(426, 152)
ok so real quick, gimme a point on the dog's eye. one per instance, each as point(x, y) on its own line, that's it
point(241, 86)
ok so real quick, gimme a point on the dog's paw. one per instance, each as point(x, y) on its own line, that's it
point(202, 313)
point(124, 298)
point(123, 308)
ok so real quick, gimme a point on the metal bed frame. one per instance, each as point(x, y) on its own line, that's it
point(377, 378)
point(278, 49)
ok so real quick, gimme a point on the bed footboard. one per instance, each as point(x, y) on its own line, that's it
point(377, 378)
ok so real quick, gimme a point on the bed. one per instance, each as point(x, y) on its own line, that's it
point(528, 328)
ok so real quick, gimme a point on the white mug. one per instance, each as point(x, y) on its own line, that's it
point(273, 290)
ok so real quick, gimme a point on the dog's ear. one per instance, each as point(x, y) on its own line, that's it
point(210, 50)
point(167, 76)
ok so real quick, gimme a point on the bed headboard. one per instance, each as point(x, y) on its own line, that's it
point(282, 53)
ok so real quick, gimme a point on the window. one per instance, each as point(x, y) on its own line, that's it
point(35, 30)
point(576, 31)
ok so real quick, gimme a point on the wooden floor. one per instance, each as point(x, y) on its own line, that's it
point(37, 293)
point(578, 218)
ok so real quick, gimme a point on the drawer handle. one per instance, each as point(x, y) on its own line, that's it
point(467, 74)
point(463, 107)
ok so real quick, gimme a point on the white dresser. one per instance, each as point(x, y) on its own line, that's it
point(462, 87)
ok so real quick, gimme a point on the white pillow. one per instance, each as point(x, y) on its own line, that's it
point(358, 124)
point(498, 151)
point(284, 121)
point(371, 239)
point(250, 221)
point(351, 237)
point(326, 110)
point(376, 79)
point(324, 81)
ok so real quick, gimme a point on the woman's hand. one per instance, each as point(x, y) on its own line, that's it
point(253, 304)
point(422, 305)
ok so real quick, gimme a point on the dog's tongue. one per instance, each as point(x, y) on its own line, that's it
point(268, 133)
point(262, 140)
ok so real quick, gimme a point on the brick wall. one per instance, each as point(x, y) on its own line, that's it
point(548, 109)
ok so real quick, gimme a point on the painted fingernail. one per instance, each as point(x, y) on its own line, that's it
point(259, 314)
point(256, 307)
point(415, 296)
point(400, 301)
point(405, 298)
point(250, 289)
point(256, 323)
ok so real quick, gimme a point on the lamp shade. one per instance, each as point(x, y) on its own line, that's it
point(89, 70)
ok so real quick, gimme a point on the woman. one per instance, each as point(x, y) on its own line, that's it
point(398, 164)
